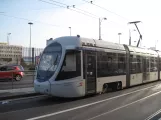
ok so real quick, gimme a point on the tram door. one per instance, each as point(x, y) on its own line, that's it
point(90, 72)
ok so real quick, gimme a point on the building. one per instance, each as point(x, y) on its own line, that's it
point(10, 54)
point(2, 43)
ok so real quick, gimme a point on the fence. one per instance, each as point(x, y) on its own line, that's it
point(27, 57)
point(30, 57)
point(24, 56)
point(8, 79)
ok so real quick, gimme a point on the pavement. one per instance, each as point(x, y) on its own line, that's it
point(136, 103)
point(16, 93)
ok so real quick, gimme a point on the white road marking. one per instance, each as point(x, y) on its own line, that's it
point(86, 105)
point(24, 98)
point(154, 114)
point(124, 106)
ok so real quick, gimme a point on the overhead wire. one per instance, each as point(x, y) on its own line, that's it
point(64, 6)
point(52, 3)
point(74, 6)
point(91, 2)
point(30, 20)
point(70, 8)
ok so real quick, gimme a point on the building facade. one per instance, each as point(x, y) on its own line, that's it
point(10, 54)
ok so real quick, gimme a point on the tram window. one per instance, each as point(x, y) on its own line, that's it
point(138, 64)
point(160, 64)
point(72, 66)
point(105, 64)
point(147, 64)
point(110, 64)
point(132, 64)
point(144, 64)
point(156, 63)
point(121, 64)
point(153, 63)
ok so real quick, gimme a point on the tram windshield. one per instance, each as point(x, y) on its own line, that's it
point(49, 61)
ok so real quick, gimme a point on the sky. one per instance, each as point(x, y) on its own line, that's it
point(52, 21)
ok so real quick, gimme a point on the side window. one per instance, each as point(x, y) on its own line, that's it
point(132, 64)
point(155, 64)
point(138, 64)
point(10, 68)
point(160, 63)
point(110, 64)
point(151, 64)
point(121, 63)
point(98, 64)
point(147, 64)
point(3, 69)
point(71, 67)
point(114, 64)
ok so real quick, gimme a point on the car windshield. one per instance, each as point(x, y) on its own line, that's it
point(49, 61)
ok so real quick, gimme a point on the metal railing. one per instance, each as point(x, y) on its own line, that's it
point(10, 80)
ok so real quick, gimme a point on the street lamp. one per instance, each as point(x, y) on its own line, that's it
point(130, 35)
point(119, 37)
point(100, 20)
point(70, 30)
point(8, 34)
point(30, 23)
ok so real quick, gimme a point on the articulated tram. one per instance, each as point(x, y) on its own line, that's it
point(74, 66)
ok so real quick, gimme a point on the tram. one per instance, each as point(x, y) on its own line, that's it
point(73, 66)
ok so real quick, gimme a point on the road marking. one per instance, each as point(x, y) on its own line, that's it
point(124, 106)
point(86, 105)
point(18, 99)
point(154, 114)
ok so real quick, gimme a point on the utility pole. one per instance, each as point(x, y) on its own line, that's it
point(119, 37)
point(30, 23)
point(8, 34)
point(100, 20)
point(70, 30)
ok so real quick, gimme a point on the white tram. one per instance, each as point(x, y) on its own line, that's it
point(75, 67)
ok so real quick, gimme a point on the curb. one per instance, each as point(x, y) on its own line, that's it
point(18, 96)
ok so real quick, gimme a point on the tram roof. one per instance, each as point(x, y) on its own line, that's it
point(142, 51)
point(80, 41)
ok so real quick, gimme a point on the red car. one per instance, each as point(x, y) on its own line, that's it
point(11, 71)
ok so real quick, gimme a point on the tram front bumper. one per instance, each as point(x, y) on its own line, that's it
point(42, 87)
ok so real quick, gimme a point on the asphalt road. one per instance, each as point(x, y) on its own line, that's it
point(136, 103)
point(27, 81)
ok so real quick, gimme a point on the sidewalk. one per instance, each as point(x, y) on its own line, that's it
point(17, 93)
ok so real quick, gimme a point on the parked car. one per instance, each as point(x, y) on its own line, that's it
point(11, 71)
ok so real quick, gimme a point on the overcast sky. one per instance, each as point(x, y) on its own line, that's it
point(53, 21)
